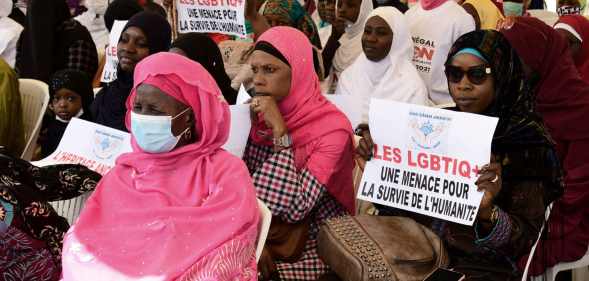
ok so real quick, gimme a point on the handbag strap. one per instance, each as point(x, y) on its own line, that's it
point(352, 235)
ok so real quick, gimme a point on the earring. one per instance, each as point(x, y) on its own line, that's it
point(188, 134)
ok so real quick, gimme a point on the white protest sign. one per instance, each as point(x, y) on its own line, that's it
point(97, 147)
point(92, 145)
point(242, 95)
point(214, 16)
point(426, 160)
point(348, 105)
point(109, 73)
point(240, 129)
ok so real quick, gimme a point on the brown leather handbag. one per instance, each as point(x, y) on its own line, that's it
point(286, 241)
point(365, 247)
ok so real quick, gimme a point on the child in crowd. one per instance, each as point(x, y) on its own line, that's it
point(327, 14)
point(71, 96)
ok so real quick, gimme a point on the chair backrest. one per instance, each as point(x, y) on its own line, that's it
point(71, 209)
point(264, 227)
point(533, 250)
point(34, 98)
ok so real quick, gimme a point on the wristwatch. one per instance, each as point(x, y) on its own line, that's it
point(284, 142)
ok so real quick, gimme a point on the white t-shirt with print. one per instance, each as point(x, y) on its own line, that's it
point(433, 33)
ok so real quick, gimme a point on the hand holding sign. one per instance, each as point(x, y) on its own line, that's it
point(489, 182)
point(424, 161)
point(365, 146)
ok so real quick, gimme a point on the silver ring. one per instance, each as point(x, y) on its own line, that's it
point(495, 179)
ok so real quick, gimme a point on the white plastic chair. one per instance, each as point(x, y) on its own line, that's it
point(34, 98)
point(533, 250)
point(264, 227)
point(551, 272)
point(71, 209)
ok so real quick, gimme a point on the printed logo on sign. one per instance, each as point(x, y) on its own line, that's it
point(428, 131)
point(106, 145)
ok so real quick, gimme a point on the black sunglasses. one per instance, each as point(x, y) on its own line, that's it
point(476, 74)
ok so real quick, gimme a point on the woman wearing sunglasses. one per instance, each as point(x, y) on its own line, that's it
point(485, 77)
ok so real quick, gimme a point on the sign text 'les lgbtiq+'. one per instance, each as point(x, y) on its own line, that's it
point(426, 160)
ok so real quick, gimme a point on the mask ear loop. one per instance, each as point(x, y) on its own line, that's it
point(183, 111)
point(187, 132)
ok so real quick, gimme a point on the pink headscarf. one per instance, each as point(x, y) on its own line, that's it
point(431, 4)
point(172, 215)
point(312, 121)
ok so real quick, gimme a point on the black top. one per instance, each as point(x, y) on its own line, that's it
point(108, 108)
point(45, 45)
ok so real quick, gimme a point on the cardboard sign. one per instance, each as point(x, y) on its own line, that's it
point(212, 16)
point(97, 147)
point(347, 105)
point(240, 129)
point(242, 95)
point(426, 160)
point(109, 73)
point(92, 145)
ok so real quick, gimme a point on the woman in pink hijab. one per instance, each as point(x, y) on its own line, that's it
point(300, 153)
point(169, 210)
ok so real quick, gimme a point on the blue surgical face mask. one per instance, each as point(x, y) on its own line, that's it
point(513, 9)
point(154, 133)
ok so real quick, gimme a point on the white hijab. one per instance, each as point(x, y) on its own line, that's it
point(393, 78)
point(351, 41)
point(93, 20)
point(5, 8)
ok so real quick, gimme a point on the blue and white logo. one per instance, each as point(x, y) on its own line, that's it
point(106, 145)
point(428, 131)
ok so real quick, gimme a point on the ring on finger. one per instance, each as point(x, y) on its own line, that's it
point(495, 179)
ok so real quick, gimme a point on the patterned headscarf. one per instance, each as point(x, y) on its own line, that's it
point(513, 102)
point(519, 128)
point(292, 14)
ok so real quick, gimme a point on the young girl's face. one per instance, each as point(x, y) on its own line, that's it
point(66, 103)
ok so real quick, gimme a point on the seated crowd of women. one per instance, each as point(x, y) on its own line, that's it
point(179, 207)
